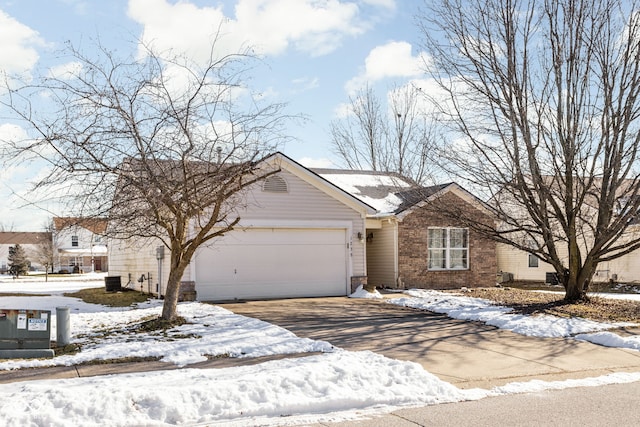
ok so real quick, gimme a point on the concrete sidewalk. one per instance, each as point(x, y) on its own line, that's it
point(466, 354)
point(92, 370)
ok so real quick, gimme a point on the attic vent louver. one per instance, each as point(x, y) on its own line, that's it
point(275, 184)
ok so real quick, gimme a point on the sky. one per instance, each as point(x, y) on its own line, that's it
point(315, 54)
point(321, 383)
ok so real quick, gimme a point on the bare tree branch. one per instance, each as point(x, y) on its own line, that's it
point(397, 139)
point(542, 97)
point(160, 145)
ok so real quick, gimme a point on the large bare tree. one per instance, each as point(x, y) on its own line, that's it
point(391, 136)
point(541, 102)
point(161, 145)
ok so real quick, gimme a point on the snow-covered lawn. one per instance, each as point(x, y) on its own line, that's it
point(544, 326)
point(330, 386)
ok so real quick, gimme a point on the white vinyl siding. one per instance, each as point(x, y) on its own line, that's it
point(448, 248)
point(516, 262)
point(136, 257)
point(304, 202)
point(302, 207)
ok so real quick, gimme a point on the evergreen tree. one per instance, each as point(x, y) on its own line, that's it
point(18, 262)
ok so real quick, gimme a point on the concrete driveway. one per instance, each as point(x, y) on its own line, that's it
point(467, 354)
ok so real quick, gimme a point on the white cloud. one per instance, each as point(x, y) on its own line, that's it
point(343, 110)
point(11, 132)
point(65, 71)
point(389, 4)
point(269, 26)
point(268, 93)
point(310, 162)
point(390, 60)
point(182, 27)
point(18, 45)
point(80, 7)
point(310, 26)
point(305, 83)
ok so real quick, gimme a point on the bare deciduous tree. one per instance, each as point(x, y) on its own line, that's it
point(160, 145)
point(541, 98)
point(393, 139)
point(43, 253)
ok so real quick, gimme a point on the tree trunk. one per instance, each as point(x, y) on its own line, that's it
point(169, 308)
point(577, 284)
point(573, 290)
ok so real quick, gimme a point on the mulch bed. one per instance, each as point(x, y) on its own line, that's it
point(531, 302)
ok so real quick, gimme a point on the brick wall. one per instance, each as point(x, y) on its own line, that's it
point(412, 248)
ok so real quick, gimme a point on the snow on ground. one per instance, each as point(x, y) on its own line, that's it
point(543, 326)
point(341, 381)
point(54, 285)
point(210, 330)
point(332, 386)
point(612, 295)
point(361, 292)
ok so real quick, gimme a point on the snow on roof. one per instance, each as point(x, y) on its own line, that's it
point(377, 189)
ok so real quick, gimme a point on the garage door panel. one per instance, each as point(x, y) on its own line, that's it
point(270, 263)
point(284, 236)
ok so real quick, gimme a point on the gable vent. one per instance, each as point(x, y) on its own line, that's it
point(275, 184)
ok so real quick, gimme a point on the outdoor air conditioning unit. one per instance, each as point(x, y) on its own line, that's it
point(551, 279)
point(504, 277)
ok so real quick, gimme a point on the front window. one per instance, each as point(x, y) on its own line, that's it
point(533, 261)
point(448, 248)
point(74, 241)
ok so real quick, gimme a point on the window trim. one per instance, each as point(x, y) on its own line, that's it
point(447, 249)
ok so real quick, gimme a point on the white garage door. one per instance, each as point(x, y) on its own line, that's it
point(273, 263)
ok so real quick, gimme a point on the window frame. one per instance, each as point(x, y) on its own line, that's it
point(447, 258)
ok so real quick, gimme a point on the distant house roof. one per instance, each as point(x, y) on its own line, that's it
point(95, 225)
point(23, 237)
point(419, 194)
point(387, 192)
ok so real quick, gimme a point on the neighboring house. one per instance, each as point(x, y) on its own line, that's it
point(299, 236)
point(31, 242)
point(79, 244)
point(521, 265)
point(410, 242)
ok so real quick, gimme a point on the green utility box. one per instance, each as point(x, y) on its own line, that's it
point(25, 330)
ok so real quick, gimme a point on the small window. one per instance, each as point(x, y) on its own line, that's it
point(533, 261)
point(74, 241)
point(275, 184)
point(448, 249)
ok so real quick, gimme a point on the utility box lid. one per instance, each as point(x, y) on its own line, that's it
point(25, 329)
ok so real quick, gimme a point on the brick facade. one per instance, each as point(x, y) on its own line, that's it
point(412, 249)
